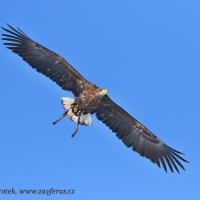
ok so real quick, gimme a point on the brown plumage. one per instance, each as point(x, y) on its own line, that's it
point(92, 100)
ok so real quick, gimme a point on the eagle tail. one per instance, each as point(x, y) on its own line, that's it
point(85, 119)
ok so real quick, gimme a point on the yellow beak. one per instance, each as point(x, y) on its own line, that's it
point(104, 91)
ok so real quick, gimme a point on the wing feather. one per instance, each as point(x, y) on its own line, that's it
point(44, 60)
point(139, 138)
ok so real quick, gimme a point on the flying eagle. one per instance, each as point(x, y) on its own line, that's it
point(90, 99)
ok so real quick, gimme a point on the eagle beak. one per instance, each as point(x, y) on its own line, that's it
point(104, 91)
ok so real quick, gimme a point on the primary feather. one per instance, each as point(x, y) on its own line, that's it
point(137, 136)
point(44, 60)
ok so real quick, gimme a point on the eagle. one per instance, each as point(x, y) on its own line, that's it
point(90, 99)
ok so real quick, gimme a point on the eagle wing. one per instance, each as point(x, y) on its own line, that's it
point(44, 60)
point(139, 138)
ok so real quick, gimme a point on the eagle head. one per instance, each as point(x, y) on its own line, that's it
point(101, 92)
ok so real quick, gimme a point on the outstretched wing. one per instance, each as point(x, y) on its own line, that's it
point(44, 60)
point(135, 135)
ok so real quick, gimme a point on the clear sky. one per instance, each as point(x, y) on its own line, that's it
point(146, 53)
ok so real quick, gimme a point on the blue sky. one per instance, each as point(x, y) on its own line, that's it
point(146, 53)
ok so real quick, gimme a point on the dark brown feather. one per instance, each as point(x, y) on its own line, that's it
point(139, 138)
point(45, 61)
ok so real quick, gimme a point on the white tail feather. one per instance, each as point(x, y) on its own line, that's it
point(84, 119)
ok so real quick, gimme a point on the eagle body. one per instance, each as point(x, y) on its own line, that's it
point(84, 105)
point(89, 99)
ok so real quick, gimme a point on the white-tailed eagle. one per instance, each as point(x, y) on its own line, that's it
point(89, 99)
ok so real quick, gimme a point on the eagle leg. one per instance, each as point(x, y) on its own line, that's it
point(62, 116)
point(77, 125)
